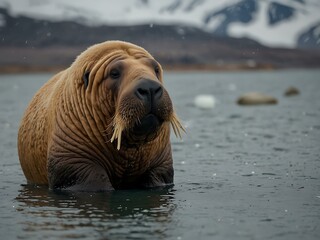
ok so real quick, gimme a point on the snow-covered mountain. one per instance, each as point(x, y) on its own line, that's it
point(274, 23)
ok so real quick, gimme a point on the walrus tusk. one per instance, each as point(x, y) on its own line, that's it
point(117, 135)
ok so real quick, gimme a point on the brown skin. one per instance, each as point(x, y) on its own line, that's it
point(96, 126)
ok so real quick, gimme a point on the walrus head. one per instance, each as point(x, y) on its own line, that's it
point(123, 84)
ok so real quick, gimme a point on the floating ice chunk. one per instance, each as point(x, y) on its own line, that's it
point(205, 101)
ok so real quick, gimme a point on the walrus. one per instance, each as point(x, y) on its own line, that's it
point(101, 124)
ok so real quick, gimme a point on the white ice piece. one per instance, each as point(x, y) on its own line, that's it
point(204, 101)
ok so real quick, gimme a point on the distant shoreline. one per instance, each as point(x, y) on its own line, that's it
point(17, 69)
point(56, 58)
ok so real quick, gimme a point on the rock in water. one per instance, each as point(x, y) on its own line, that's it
point(291, 91)
point(256, 98)
point(204, 101)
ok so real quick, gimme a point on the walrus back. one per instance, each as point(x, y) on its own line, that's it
point(33, 134)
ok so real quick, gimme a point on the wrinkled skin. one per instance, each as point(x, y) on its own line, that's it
point(101, 124)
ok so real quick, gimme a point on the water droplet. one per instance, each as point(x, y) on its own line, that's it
point(188, 124)
point(151, 25)
point(251, 63)
point(197, 145)
point(180, 31)
point(183, 162)
point(214, 174)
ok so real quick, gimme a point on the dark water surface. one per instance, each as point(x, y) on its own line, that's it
point(240, 172)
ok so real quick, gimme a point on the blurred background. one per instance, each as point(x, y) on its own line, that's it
point(43, 35)
point(240, 172)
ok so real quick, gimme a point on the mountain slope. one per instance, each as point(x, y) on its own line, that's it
point(33, 41)
point(29, 44)
point(274, 23)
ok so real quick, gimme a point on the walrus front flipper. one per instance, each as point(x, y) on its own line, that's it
point(158, 178)
point(77, 175)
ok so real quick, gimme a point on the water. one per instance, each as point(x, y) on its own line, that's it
point(240, 172)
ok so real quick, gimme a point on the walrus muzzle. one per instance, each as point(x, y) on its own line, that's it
point(147, 125)
point(142, 112)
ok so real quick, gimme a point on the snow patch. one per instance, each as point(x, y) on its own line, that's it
point(283, 34)
point(316, 32)
point(187, 13)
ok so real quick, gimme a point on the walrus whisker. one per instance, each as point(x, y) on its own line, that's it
point(176, 125)
point(175, 129)
point(108, 128)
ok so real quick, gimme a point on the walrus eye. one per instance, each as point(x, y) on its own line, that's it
point(115, 73)
point(157, 70)
point(85, 79)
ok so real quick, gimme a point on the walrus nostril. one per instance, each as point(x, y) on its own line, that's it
point(148, 90)
point(158, 92)
point(142, 93)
